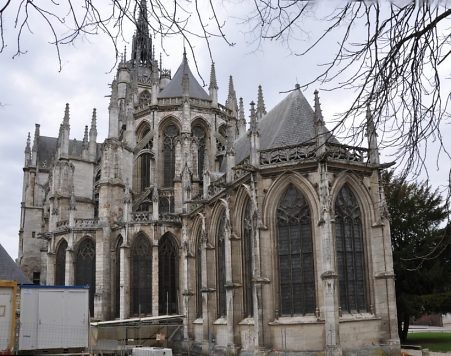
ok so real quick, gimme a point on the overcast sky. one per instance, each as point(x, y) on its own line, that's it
point(32, 90)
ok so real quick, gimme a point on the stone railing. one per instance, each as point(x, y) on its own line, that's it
point(170, 218)
point(347, 153)
point(62, 224)
point(142, 217)
point(86, 223)
point(287, 154)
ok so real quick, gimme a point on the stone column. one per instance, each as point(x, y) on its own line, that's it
point(329, 276)
point(70, 267)
point(228, 274)
point(51, 261)
point(124, 282)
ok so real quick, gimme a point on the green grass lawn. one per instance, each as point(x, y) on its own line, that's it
point(434, 341)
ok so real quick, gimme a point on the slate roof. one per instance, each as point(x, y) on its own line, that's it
point(291, 122)
point(47, 149)
point(9, 271)
point(174, 88)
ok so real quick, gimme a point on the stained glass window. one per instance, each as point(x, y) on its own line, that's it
point(199, 274)
point(199, 133)
point(221, 266)
point(169, 135)
point(141, 276)
point(247, 260)
point(295, 255)
point(168, 275)
point(117, 277)
point(60, 268)
point(350, 252)
point(85, 269)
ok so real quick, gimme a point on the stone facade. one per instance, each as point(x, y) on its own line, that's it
point(187, 209)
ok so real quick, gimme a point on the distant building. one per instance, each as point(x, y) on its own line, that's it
point(271, 237)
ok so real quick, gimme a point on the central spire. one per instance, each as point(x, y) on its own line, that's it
point(142, 53)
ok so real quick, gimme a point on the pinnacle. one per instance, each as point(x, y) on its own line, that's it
point(66, 115)
point(318, 112)
point(27, 147)
point(213, 82)
point(241, 110)
point(260, 102)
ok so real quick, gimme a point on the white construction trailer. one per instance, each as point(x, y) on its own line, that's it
point(54, 317)
point(7, 316)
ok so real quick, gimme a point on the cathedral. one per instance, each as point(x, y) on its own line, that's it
point(262, 230)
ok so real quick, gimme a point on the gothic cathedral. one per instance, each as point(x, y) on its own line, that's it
point(265, 235)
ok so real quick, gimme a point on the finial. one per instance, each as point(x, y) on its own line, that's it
point(161, 61)
point(253, 123)
point(213, 82)
point(36, 137)
point(241, 111)
point(297, 87)
point(28, 147)
point(261, 110)
point(66, 115)
point(85, 138)
point(318, 112)
point(93, 130)
point(125, 54)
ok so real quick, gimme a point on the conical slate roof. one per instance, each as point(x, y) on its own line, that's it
point(291, 122)
point(9, 271)
point(174, 88)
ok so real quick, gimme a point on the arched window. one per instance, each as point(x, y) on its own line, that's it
point(350, 253)
point(199, 134)
point(221, 266)
point(144, 97)
point(117, 277)
point(295, 255)
point(85, 269)
point(199, 274)
point(247, 260)
point(60, 267)
point(143, 164)
point(169, 135)
point(141, 276)
point(168, 275)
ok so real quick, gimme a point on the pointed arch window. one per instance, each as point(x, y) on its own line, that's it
point(168, 275)
point(141, 276)
point(295, 255)
point(350, 252)
point(199, 274)
point(247, 260)
point(85, 269)
point(144, 97)
point(60, 267)
point(221, 266)
point(117, 277)
point(170, 134)
point(199, 134)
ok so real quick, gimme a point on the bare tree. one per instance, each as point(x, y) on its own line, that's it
point(69, 20)
point(391, 55)
point(395, 64)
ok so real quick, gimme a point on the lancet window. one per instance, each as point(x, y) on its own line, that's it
point(170, 134)
point(199, 133)
point(350, 252)
point(199, 274)
point(117, 277)
point(221, 266)
point(85, 269)
point(60, 268)
point(247, 259)
point(141, 276)
point(168, 275)
point(295, 255)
